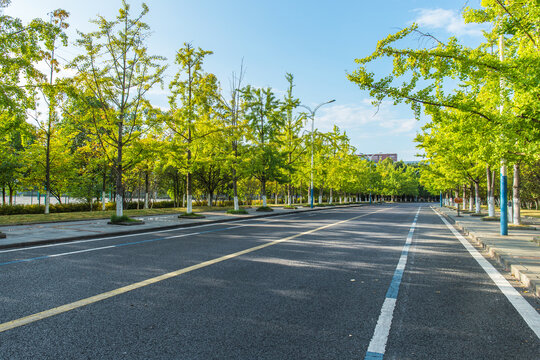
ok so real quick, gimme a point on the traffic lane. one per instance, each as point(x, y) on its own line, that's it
point(292, 300)
point(14, 257)
point(35, 286)
point(448, 307)
point(10, 255)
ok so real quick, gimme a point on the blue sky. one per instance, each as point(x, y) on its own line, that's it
point(316, 41)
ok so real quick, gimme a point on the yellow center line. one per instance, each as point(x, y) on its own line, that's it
point(93, 299)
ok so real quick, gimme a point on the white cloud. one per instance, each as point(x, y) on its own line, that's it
point(364, 117)
point(371, 130)
point(449, 20)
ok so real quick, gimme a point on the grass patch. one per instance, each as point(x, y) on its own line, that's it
point(491, 218)
point(91, 215)
point(479, 214)
point(191, 215)
point(237, 212)
point(124, 220)
point(531, 213)
point(521, 227)
point(265, 209)
point(290, 207)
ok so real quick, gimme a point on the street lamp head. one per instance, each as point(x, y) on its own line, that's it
point(331, 101)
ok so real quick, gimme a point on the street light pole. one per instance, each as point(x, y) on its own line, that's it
point(312, 115)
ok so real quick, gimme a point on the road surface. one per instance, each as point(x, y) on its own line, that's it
point(369, 282)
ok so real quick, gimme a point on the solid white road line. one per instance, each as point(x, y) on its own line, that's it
point(525, 310)
point(377, 345)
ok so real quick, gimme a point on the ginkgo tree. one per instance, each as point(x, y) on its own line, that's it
point(503, 94)
point(117, 70)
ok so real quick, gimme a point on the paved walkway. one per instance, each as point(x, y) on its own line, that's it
point(518, 252)
point(46, 233)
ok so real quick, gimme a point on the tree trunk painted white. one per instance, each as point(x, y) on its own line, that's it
point(464, 197)
point(515, 195)
point(264, 200)
point(471, 199)
point(47, 201)
point(491, 206)
point(189, 209)
point(330, 200)
point(477, 197)
point(236, 207)
point(209, 200)
point(146, 196)
point(119, 205)
point(103, 194)
point(490, 193)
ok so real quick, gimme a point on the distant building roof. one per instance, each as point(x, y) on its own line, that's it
point(378, 157)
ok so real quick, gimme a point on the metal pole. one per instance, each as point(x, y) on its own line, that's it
point(312, 112)
point(503, 194)
point(440, 198)
point(312, 141)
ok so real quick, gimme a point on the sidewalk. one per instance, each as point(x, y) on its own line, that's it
point(48, 233)
point(519, 252)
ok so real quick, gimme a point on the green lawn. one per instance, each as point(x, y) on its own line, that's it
point(89, 215)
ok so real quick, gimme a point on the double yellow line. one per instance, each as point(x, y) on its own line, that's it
point(94, 299)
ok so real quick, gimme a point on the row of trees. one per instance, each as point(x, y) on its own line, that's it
point(483, 103)
point(100, 132)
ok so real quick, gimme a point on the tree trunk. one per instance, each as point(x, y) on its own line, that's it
point(119, 185)
point(146, 189)
point(490, 175)
point(189, 209)
point(477, 195)
point(331, 194)
point(464, 196)
point(263, 191)
point(471, 197)
point(320, 194)
point(515, 194)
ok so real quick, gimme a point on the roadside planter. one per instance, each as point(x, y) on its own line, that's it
point(124, 221)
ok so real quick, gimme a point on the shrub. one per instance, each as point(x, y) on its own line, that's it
point(124, 218)
point(237, 212)
point(265, 208)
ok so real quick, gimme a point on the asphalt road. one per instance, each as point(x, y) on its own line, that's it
point(303, 286)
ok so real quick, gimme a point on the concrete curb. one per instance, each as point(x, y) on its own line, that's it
point(530, 280)
point(166, 227)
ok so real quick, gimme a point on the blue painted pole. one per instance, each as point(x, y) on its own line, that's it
point(311, 198)
point(504, 202)
point(370, 202)
point(440, 198)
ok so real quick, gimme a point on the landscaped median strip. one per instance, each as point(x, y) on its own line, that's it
point(166, 227)
point(109, 294)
